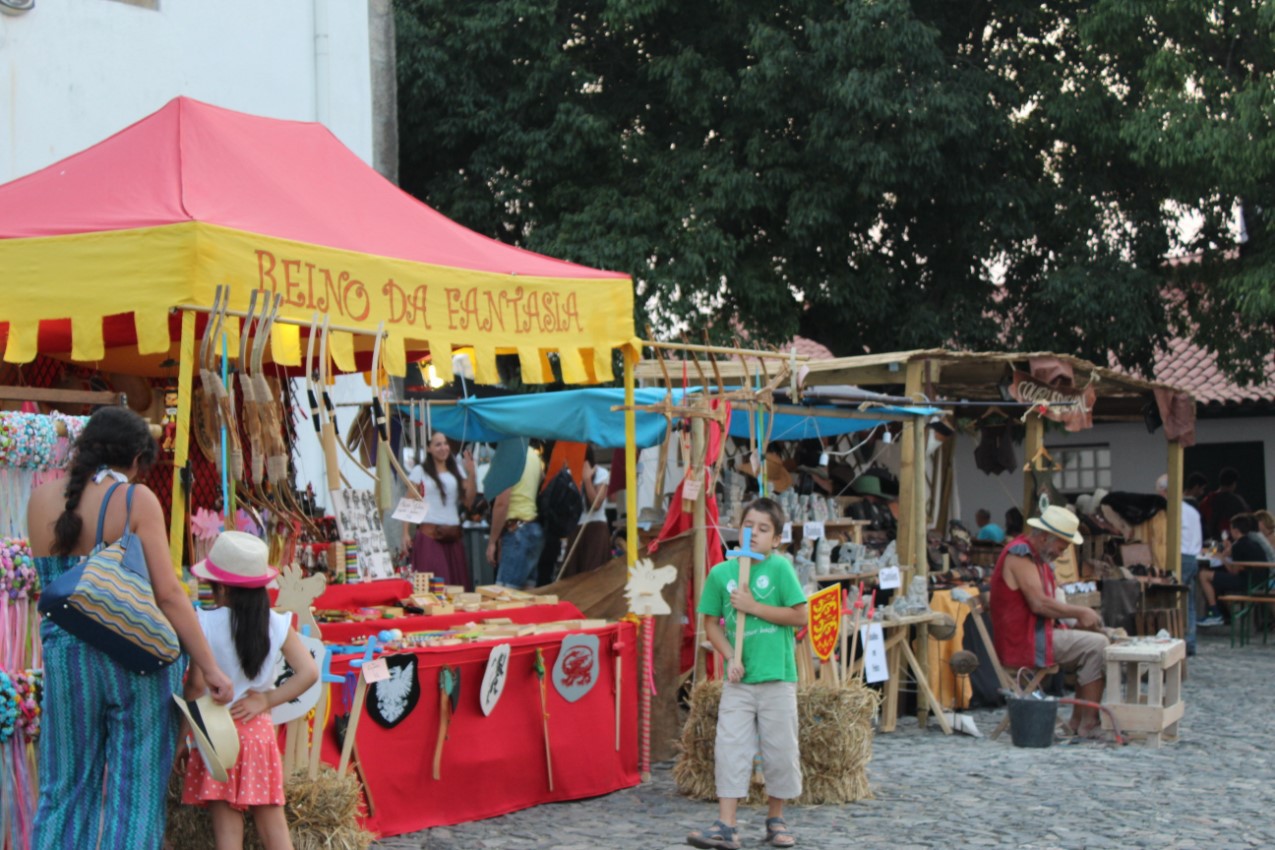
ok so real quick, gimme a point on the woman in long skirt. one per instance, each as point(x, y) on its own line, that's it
point(437, 546)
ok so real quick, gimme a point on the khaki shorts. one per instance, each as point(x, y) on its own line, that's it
point(752, 718)
point(1084, 652)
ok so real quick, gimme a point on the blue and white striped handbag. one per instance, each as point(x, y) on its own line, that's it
point(106, 601)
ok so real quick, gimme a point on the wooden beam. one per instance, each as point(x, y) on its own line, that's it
point(56, 396)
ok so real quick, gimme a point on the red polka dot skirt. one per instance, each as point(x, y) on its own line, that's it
point(256, 778)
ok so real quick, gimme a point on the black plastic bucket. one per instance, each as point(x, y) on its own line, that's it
point(1032, 721)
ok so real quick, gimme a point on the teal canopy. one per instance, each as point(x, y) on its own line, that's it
point(586, 416)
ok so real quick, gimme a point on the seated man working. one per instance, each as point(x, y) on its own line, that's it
point(1025, 614)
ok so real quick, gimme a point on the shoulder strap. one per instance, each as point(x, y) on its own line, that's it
point(101, 514)
point(128, 508)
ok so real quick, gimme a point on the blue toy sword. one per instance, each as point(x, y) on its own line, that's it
point(745, 554)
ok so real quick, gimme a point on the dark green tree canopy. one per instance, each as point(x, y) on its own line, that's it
point(874, 174)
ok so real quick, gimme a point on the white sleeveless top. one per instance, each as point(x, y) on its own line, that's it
point(216, 626)
point(437, 511)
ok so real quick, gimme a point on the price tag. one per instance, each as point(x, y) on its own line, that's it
point(410, 510)
point(786, 535)
point(375, 671)
point(812, 530)
point(888, 578)
point(874, 666)
point(690, 488)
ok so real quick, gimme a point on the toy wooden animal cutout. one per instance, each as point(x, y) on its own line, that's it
point(297, 594)
point(644, 588)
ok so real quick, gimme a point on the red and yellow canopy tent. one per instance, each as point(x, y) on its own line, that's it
point(110, 254)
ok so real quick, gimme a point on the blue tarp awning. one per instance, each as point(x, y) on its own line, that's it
point(586, 416)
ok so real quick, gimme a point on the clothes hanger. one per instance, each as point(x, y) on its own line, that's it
point(1042, 454)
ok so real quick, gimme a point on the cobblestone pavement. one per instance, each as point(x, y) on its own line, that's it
point(1214, 789)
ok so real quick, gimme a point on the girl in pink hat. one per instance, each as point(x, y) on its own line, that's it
point(247, 639)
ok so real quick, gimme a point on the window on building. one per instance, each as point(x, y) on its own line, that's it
point(1084, 468)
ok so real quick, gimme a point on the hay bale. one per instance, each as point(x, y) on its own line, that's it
point(323, 814)
point(834, 734)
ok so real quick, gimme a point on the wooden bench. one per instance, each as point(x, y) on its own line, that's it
point(1241, 607)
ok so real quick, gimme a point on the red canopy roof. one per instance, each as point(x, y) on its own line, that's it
point(192, 161)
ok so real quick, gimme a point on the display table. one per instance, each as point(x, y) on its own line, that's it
point(495, 764)
point(351, 631)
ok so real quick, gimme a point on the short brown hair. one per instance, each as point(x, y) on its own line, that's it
point(770, 508)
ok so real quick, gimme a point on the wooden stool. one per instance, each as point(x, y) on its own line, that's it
point(1155, 714)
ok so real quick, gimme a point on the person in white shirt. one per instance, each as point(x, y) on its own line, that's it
point(591, 544)
point(437, 546)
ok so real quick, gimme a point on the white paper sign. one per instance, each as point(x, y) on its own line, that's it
point(786, 535)
point(411, 510)
point(812, 530)
point(889, 579)
point(874, 667)
point(375, 671)
point(690, 488)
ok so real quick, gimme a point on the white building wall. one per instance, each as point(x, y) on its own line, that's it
point(1137, 459)
point(72, 72)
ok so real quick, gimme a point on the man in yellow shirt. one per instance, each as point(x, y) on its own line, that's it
point(516, 538)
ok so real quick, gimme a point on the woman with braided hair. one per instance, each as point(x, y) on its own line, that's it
point(100, 720)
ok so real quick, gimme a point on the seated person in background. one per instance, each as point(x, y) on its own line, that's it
point(1025, 614)
point(1249, 546)
point(1013, 523)
point(988, 531)
point(1266, 525)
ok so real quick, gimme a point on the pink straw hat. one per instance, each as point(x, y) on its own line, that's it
point(237, 559)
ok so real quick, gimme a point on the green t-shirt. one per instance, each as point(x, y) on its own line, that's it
point(768, 648)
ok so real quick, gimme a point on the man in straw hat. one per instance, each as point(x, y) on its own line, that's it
point(1026, 613)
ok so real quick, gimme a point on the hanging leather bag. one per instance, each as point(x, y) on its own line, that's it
point(106, 601)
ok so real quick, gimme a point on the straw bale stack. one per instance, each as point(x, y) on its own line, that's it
point(834, 733)
point(322, 815)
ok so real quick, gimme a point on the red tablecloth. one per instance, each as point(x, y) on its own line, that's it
point(347, 597)
point(348, 632)
point(496, 764)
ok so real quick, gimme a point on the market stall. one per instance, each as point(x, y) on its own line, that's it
point(1026, 389)
point(131, 255)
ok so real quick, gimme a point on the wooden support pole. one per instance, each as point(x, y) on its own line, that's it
point(181, 440)
point(1173, 516)
point(1031, 445)
point(1173, 529)
point(630, 463)
point(909, 517)
point(920, 527)
point(699, 553)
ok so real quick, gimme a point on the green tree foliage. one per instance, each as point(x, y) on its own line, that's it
point(875, 174)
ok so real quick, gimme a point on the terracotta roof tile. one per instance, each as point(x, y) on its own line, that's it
point(1191, 368)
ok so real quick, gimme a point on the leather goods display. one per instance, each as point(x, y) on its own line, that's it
point(106, 601)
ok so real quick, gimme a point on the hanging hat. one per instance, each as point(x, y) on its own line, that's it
point(238, 559)
point(867, 485)
point(1060, 522)
point(215, 733)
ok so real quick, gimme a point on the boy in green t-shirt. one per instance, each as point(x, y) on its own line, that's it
point(759, 696)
